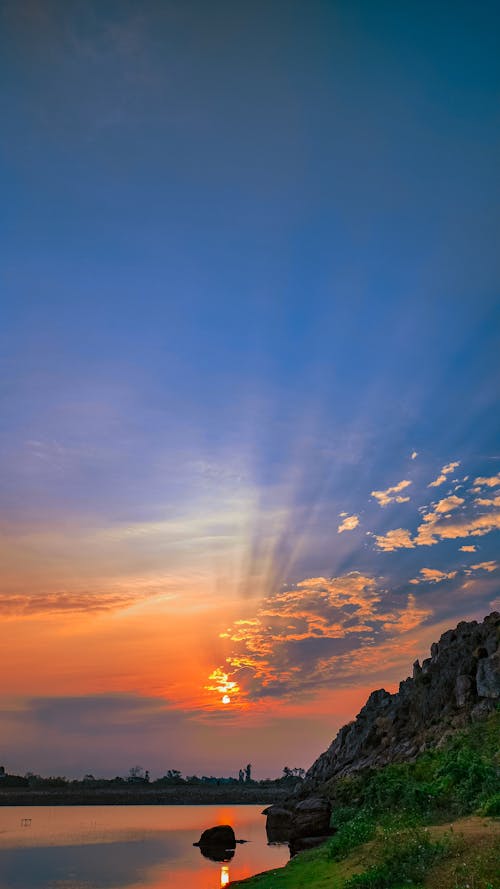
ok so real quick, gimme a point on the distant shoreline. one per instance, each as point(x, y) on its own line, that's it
point(143, 796)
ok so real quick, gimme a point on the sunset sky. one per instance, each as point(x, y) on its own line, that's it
point(250, 340)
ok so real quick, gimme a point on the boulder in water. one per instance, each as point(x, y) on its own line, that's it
point(217, 843)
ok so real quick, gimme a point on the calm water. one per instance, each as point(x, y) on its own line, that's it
point(127, 847)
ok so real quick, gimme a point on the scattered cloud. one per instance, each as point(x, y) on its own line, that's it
point(435, 529)
point(309, 635)
point(399, 538)
point(468, 548)
point(448, 504)
point(433, 575)
point(488, 501)
point(392, 495)
point(491, 481)
point(446, 470)
point(438, 524)
point(484, 566)
point(349, 523)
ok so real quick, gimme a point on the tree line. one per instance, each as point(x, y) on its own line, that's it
point(137, 775)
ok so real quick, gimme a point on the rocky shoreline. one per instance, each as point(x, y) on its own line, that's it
point(458, 684)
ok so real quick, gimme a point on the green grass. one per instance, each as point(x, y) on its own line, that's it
point(381, 817)
point(406, 858)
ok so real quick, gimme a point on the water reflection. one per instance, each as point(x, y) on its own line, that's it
point(127, 847)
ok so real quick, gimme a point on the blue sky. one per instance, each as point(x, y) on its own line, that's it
point(249, 266)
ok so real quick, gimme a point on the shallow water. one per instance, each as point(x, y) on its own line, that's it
point(127, 847)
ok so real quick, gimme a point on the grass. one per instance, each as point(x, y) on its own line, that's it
point(393, 824)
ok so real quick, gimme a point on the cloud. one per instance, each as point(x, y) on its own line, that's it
point(349, 523)
point(446, 470)
point(488, 501)
point(468, 549)
point(391, 495)
point(399, 538)
point(434, 529)
point(433, 575)
point(448, 504)
point(305, 637)
point(414, 455)
point(484, 566)
point(491, 481)
point(438, 524)
point(26, 605)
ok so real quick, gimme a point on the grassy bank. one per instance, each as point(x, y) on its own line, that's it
point(432, 823)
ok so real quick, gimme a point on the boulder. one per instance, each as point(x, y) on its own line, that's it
point(221, 836)
point(311, 818)
point(278, 824)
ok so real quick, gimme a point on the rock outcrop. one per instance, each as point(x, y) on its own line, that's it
point(302, 825)
point(460, 682)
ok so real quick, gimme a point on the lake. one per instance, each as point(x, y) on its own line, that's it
point(127, 847)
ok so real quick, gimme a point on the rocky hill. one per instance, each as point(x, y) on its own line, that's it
point(458, 683)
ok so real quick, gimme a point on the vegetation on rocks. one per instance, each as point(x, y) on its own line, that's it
point(411, 824)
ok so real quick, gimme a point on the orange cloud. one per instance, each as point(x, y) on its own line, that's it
point(468, 549)
point(391, 495)
point(399, 538)
point(484, 566)
point(446, 470)
point(448, 504)
point(349, 523)
point(19, 605)
point(301, 637)
point(489, 482)
point(433, 575)
point(434, 530)
point(438, 525)
point(488, 501)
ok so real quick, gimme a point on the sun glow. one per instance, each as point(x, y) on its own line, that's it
point(224, 875)
point(223, 685)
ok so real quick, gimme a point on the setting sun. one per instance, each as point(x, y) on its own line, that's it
point(226, 699)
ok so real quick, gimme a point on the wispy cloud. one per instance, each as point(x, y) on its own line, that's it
point(392, 495)
point(25, 605)
point(446, 470)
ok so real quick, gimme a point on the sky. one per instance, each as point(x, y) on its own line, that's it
point(249, 348)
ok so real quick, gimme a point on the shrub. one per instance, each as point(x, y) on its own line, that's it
point(491, 807)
